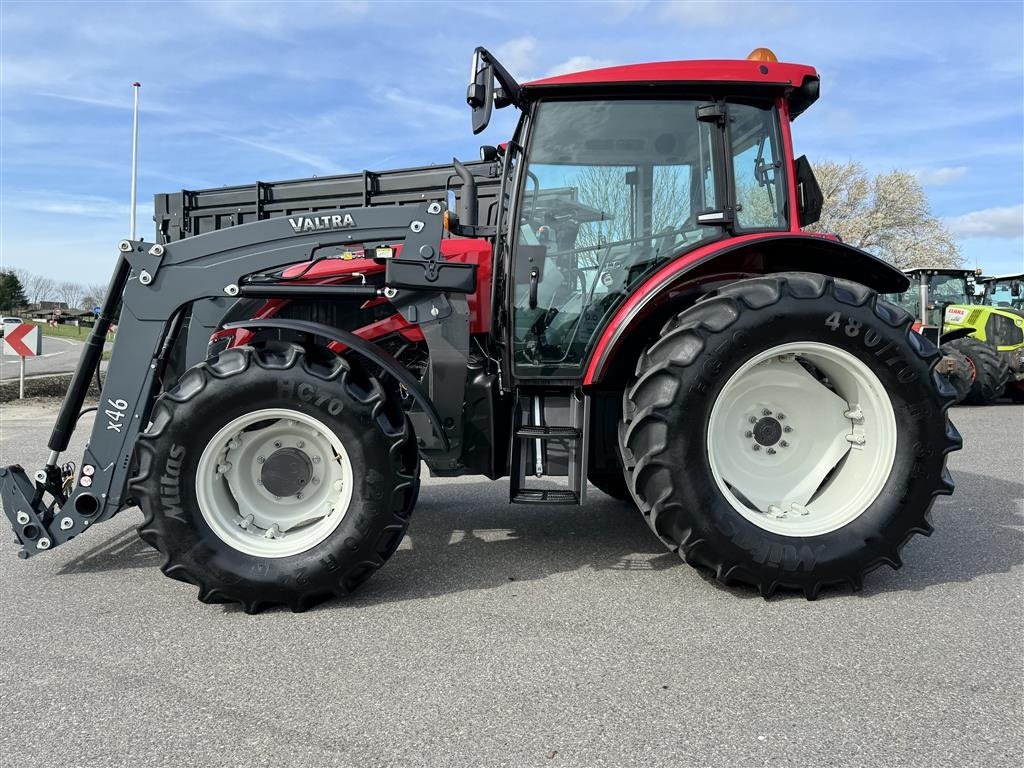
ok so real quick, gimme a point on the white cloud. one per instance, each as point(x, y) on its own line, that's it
point(1005, 221)
point(936, 177)
point(519, 56)
point(62, 204)
point(280, 20)
point(579, 64)
point(711, 13)
point(317, 162)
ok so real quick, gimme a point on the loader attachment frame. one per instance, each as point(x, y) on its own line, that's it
point(155, 284)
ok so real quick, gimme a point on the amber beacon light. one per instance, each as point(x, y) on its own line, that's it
point(762, 54)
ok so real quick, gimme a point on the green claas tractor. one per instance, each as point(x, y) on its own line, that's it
point(985, 343)
point(999, 320)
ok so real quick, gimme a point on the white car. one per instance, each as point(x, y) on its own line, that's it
point(5, 320)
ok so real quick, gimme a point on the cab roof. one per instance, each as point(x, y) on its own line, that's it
point(797, 82)
point(940, 271)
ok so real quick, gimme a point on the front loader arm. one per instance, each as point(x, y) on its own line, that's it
point(154, 283)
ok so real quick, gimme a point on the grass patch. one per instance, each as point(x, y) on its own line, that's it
point(64, 331)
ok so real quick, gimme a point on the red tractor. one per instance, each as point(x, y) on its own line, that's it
point(622, 293)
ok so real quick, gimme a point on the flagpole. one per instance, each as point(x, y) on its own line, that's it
point(135, 155)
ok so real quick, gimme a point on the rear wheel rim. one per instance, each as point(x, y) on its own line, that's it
point(274, 483)
point(802, 439)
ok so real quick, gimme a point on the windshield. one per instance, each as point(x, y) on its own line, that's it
point(948, 289)
point(999, 293)
point(611, 190)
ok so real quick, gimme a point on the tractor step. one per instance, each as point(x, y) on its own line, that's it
point(549, 441)
point(548, 433)
point(545, 496)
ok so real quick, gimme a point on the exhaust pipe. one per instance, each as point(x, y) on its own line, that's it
point(469, 204)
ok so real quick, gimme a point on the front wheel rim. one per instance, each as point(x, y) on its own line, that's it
point(274, 483)
point(802, 439)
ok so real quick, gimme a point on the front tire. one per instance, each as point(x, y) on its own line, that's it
point(268, 477)
point(991, 370)
point(820, 494)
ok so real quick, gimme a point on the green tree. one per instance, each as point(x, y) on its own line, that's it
point(12, 293)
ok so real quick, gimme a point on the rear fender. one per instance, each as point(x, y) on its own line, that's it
point(681, 282)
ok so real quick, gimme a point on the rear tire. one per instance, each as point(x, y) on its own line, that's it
point(668, 446)
point(224, 491)
point(991, 370)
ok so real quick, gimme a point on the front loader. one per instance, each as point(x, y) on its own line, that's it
point(620, 294)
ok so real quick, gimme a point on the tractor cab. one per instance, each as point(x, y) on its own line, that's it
point(614, 173)
point(1004, 291)
point(937, 298)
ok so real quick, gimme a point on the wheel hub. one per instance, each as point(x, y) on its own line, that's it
point(801, 438)
point(286, 472)
point(274, 482)
point(767, 431)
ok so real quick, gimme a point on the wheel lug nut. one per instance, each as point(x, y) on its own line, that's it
point(316, 479)
point(748, 433)
point(277, 443)
point(766, 412)
point(787, 429)
point(753, 420)
point(780, 416)
point(300, 444)
point(316, 459)
point(771, 451)
point(298, 495)
point(260, 459)
point(757, 447)
point(784, 444)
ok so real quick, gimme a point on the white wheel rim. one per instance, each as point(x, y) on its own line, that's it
point(248, 515)
point(793, 455)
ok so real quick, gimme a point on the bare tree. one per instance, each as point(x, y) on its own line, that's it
point(37, 287)
point(887, 215)
point(94, 293)
point(605, 188)
point(71, 293)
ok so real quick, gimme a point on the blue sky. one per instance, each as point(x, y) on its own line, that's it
point(237, 92)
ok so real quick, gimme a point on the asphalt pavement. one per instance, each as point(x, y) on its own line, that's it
point(60, 355)
point(525, 636)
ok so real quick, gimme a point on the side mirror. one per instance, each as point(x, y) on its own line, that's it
point(1015, 287)
point(480, 93)
point(809, 197)
point(488, 153)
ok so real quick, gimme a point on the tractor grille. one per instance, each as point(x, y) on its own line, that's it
point(1003, 332)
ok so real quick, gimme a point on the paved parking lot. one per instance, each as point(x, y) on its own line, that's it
point(522, 636)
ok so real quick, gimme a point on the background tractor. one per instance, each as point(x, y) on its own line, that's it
point(975, 323)
point(621, 292)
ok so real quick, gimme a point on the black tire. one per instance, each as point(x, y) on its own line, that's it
point(678, 379)
point(963, 374)
point(612, 484)
point(990, 370)
point(354, 406)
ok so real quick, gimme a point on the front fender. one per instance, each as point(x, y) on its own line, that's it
point(367, 349)
point(683, 280)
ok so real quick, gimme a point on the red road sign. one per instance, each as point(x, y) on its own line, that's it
point(21, 339)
